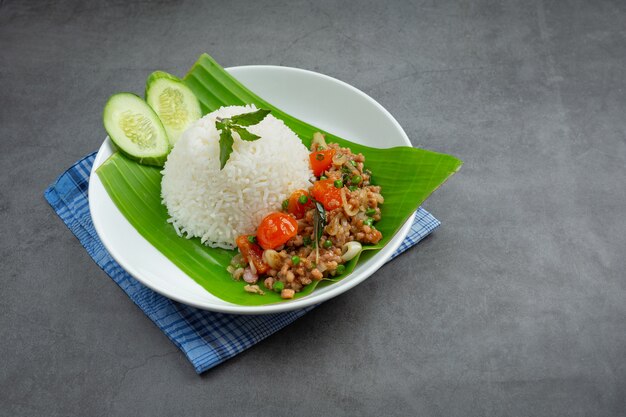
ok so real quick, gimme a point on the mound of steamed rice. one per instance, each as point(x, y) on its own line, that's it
point(219, 205)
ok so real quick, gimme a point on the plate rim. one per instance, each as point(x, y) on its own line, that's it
point(230, 308)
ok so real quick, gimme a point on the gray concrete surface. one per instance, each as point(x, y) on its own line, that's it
point(515, 307)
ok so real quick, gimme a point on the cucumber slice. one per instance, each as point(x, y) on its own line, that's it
point(174, 103)
point(136, 129)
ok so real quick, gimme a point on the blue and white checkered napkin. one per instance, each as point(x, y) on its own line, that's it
point(207, 338)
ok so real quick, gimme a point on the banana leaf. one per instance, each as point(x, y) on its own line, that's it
point(135, 189)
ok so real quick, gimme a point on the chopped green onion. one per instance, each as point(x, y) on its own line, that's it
point(340, 269)
point(303, 199)
point(285, 204)
point(252, 239)
point(353, 163)
point(319, 156)
point(356, 179)
point(306, 240)
point(320, 148)
point(323, 177)
point(338, 183)
point(278, 286)
point(295, 259)
point(327, 244)
point(237, 266)
point(352, 187)
point(369, 221)
point(370, 212)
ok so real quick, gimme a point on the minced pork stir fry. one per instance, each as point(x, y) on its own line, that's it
point(317, 231)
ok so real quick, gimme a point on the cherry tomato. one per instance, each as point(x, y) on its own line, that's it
point(276, 229)
point(296, 206)
point(326, 193)
point(252, 253)
point(321, 161)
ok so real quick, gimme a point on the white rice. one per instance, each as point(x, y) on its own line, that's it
point(219, 205)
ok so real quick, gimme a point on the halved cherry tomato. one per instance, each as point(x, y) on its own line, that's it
point(321, 161)
point(252, 253)
point(276, 229)
point(326, 193)
point(296, 207)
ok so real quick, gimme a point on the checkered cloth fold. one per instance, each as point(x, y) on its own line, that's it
point(206, 338)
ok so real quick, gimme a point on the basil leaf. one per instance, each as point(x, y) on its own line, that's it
point(237, 123)
point(320, 221)
point(221, 125)
point(321, 212)
point(244, 134)
point(249, 119)
point(226, 146)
